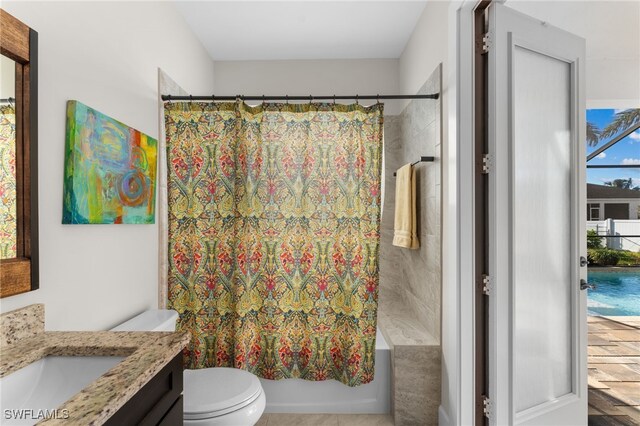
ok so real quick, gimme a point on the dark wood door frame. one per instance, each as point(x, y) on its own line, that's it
point(481, 203)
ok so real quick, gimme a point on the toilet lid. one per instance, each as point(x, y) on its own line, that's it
point(211, 392)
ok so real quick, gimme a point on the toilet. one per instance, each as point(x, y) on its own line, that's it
point(212, 396)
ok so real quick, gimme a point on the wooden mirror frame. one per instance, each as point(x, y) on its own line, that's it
point(20, 43)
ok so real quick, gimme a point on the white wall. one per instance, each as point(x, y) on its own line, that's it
point(104, 54)
point(613, 44)
point(427, 47)
point(311, 77)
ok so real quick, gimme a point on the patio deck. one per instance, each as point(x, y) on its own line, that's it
point(614, 370)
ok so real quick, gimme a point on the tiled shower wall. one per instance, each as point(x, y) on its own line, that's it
point(412, 278)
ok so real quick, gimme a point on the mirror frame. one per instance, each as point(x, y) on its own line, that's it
point(20, 43)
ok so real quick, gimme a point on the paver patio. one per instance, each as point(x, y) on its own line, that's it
point(614, 370)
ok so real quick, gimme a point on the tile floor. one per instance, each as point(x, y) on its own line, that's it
point(325, 420)
point(614, 370)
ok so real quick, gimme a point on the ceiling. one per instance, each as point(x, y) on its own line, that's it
point(274, 30)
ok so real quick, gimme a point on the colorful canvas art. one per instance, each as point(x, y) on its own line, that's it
point(110, 170)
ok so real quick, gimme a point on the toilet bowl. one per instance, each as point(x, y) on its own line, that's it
point(211, 396)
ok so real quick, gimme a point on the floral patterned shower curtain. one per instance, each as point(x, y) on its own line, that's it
point(274, 220)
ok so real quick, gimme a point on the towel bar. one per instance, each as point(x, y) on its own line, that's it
point(421, 160)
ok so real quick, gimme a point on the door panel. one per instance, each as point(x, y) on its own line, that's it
point(537, 313)
point(541, 196)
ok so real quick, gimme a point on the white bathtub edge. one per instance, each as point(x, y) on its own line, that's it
point(302, 396)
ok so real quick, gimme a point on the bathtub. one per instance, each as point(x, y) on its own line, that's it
point(303, 396)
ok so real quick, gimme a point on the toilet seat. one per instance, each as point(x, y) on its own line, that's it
point(214, 392)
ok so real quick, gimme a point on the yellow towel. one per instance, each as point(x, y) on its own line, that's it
point(405, 226)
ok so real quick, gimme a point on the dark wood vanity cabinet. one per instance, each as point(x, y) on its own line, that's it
point(159, 402)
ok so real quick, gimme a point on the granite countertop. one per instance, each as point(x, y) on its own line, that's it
point(146, 354)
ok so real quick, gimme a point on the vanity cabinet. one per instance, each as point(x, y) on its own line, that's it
point(159, 402)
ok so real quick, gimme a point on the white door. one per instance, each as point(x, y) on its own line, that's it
point(537, 312)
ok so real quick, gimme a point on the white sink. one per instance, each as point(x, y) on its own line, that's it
point(46, 384)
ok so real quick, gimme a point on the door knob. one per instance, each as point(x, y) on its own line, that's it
point(585, 285)
point(583, 261)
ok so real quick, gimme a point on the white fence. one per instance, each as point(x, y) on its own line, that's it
point(621, 228)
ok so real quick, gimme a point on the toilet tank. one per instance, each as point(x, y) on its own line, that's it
point(152, 320)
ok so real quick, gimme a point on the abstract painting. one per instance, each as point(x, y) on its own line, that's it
point(109, 172)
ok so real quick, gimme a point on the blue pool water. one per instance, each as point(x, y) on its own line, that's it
point(617, 292)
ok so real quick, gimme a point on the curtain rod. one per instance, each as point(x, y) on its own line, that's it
point(170, 98)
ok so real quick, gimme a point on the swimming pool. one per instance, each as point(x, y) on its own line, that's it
point(617, 292)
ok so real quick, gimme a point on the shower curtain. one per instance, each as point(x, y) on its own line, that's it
point(274, 221)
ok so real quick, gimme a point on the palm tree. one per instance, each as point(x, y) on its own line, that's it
point(593, 134)
point(621, 122)
point(622, 183)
